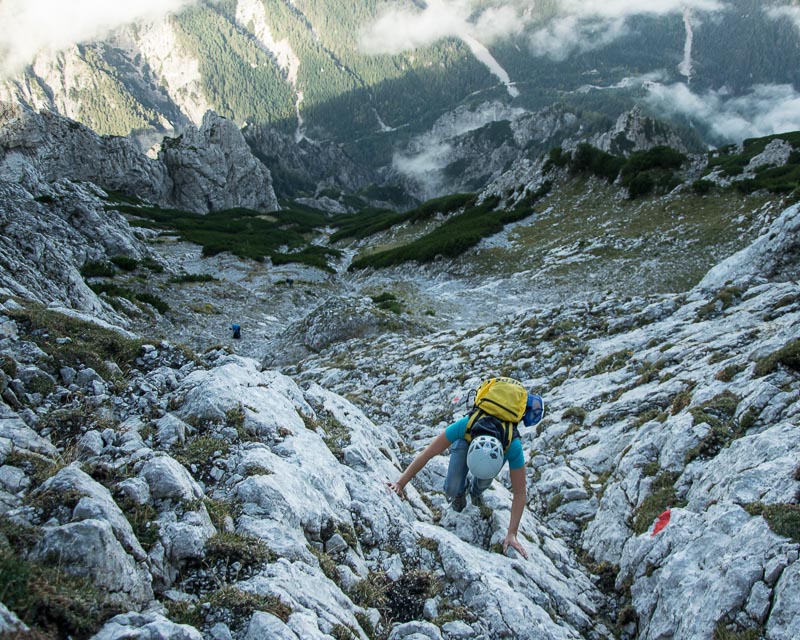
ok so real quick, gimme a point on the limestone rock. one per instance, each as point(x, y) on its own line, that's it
point(169, 480)
point(771, 256)
point(88, 548)
point(10, 624)
point(147, 626)
point(212, 168)
point(95, 503)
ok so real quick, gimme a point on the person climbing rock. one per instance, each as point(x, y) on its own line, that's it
point(480, 443)
point(237, 331)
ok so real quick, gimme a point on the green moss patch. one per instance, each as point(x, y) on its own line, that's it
point(49, 601)
point(783, 519)
point(718, 413)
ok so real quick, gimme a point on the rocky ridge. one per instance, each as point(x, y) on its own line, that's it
point(653, 404)
point(204, 169)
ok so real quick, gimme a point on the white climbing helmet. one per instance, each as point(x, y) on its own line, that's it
point(485, 457)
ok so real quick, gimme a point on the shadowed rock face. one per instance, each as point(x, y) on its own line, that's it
point(202, 170)
point(41, 148)
point(212, 168)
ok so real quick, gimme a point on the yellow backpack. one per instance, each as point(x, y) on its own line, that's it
point(500, 398)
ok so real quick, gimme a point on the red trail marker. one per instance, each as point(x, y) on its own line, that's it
point(661, 522)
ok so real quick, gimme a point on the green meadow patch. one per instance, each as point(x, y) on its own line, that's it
point(363, 224)
point(732, 160)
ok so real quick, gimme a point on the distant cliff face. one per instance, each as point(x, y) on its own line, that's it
point(212, 168)
point(203, 170)
point(57, 177)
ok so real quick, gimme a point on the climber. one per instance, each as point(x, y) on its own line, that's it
point(476, 457)
point(237, 331)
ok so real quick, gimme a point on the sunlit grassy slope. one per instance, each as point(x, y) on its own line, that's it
point(584, 236)
point(584, 233)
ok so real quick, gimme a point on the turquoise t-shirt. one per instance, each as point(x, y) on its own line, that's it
point(515, 455)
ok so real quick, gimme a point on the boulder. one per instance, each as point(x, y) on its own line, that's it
point(145, 626)
point(89, 549)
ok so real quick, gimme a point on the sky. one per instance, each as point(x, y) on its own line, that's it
point(30, 26)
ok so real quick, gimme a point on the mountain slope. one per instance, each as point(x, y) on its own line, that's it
point(241, 501)
point(158, 477)
point(301, 69)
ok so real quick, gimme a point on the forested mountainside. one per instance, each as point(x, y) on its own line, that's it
point(310, 69)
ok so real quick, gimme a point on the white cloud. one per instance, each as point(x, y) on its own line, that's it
point(792, 13)
point(612, 9)
point(586, 25)
point(30, 26)
point(767, 109)
point(570, 34)
point(397, 30)
point(577, 25)
point(425, 168)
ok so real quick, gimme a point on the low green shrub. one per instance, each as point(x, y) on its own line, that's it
point(152, 265)
point(576, 415)
point(788, 356)
point(89, 344)
point(371, 221)
point(336, 436)
point(681, 401)
point(730, 372)
point(243, 232)
point(116, 291)
point(125, 263)
point(718, 413)
point(192, 278)
point(723, 632)
point(154, 301)
point(201, 451)
point(702, 187)
point(97, 269)
point(143, 521)
point(8, 365)
point(389, 302)
point(232, 547)
point(587, 159)
point(556, 157)
point(113, 290)
point(51, 602)
point(783, 519)
point(243, 604)
point(612, 362)
point(723, 299)
point(651, 170)
point(401, 600)
point(662, 497)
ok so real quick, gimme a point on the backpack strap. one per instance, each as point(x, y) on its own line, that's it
point(508, 428)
